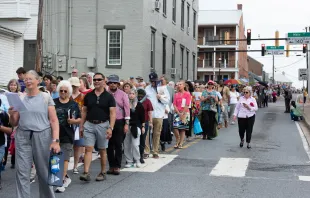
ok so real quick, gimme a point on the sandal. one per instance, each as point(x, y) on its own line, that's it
point(180, 146)
point(176, 146)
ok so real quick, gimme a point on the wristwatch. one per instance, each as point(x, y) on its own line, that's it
point(56, 140)
point(111, 128)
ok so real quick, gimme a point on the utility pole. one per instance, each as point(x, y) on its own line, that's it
point(39, 38)
point(307, 59)
point(273, 80)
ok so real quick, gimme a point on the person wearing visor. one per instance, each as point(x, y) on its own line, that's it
point(159, 97)
point(245, 112)
point(209, 100)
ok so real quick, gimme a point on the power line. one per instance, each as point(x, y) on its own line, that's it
point(290, 64)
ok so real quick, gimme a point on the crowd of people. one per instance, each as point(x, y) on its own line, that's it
point(90, 113)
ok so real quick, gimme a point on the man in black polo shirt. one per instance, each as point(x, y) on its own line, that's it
point(4, 129)
point(97, 123)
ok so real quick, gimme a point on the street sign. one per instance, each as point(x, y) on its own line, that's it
point(275, 50)
point(298, 38)
point(303, 74)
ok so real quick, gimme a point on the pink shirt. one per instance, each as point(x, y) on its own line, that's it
point(122, 104)
point(241, 111)
point(182, 100)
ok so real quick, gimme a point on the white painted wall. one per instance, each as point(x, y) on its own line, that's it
point(6, 58)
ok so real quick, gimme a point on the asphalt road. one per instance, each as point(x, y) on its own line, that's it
point(217, 168)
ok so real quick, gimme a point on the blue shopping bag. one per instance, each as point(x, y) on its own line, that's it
point(56, 169)
point(197, 127)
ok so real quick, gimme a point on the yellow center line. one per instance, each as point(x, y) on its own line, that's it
point(186, 146)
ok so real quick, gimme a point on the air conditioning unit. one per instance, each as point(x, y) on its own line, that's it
point(157, 5)
point(173, 71)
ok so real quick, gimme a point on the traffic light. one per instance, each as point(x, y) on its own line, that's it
point(248, 38)
point(263, 49)
point(304, 48)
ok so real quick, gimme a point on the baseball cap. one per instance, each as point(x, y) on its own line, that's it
point(113, 79)
point(74, 81)
point(153, 76)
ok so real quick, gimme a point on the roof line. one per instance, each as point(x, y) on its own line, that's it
point(10, 32)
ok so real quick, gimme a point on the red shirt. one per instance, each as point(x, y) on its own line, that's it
point(86, 92)
point(147, 107)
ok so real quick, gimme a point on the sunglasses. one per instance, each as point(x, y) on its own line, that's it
point(63, 91)
point(210, 84)
point(97, 79)
point(245, 92)
point(98, 98)
point(113, 83)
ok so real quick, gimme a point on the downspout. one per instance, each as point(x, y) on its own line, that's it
point(70, 30)
point(97, 45)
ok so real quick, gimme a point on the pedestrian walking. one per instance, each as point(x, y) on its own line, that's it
point(245, 112)
point(148, 110)
point(159, 96)
point(181, 103)
point(136, 128)
point(209, 100)
point(69, 117)
point(121, 125)
point(5, 129)
point(97, 124)
point(37, 134)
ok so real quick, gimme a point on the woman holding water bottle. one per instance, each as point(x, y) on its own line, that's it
point(68, 114)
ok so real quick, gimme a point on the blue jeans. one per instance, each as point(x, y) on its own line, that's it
point(2, 151)
point(219, 111)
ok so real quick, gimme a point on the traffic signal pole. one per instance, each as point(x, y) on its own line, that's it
point(273, 70)
point(307, 59)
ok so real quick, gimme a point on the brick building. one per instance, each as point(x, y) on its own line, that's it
point(255, 66)
point(217, 57)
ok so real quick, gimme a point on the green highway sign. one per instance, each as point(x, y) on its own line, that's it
point(274, 50)
point(274, 47)
point(298, 34)
point(298, 38)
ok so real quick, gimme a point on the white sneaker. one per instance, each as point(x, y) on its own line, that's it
point(67, 182)
point(138, 165)
point(60, 189)
point(75, 171)
point(129, 165)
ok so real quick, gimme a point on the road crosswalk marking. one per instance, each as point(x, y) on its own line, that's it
point(232, 167)
point(304, 178)
point(152, 165)
point(71, 163)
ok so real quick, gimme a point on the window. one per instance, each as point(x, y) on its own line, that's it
point(182, 62)
point(173, 55)
point(187, 65)
point(114, 47)
point(194, 24)
point(165, 7)
point(153, 49)
point(188, 10)
point(194, 66)
point(182, 14)
point(174, 10)
point(164, 54)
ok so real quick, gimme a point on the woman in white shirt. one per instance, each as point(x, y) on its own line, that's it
point(245, 111)
point(234, 97)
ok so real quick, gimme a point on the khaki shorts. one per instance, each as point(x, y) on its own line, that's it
point(96, 133)
point(67, 150)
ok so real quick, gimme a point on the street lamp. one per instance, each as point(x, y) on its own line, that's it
point(220, 69)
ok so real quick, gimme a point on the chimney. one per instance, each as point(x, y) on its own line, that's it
point(239, 6)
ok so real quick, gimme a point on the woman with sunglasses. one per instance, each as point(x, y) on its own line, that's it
point(209, 100)
point(77, 97)
point(245, 111)
point(69, 116)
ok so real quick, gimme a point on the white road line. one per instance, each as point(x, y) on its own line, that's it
point(71, 163)
point(152, 165)
point(233, 167)
point(304, 178)
point(304, 140)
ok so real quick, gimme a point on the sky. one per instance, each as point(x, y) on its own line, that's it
point(264, 17)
